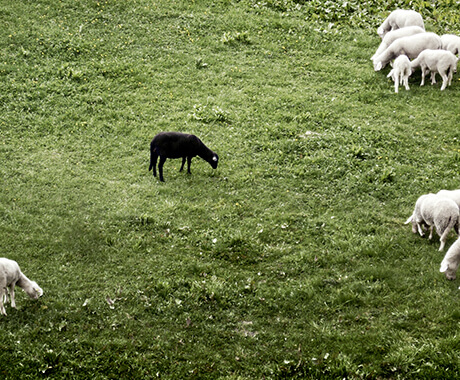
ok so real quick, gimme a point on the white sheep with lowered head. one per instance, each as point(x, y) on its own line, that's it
point(411, 46)
point(10, 276)
point(401, 72)
point(451, 42)
point(436, 61)
point(400, 18)
point(437, 212)
point(451, 260)
point(394, 35)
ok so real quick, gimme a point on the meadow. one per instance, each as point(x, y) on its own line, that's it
point(290, 260)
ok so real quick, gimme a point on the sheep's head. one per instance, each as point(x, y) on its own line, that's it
point(36, 291)
point(378, 65)
point(214, 161)
point(447, 270)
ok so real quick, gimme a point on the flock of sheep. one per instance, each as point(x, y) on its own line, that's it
point(404, 39)
point(442, 212)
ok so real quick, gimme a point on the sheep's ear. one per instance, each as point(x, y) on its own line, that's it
point(409, 220)
point(444, 266)
point(378, 66)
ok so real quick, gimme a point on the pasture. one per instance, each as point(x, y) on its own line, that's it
point(290, 260)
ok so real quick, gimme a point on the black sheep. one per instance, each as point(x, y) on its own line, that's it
point(177, 145)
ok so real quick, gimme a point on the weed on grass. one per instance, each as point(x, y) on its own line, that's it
point(291, 260)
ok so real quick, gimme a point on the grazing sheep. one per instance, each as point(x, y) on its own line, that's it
point(411, 46)
point(394, 35)
point(452, 194)
point(443, 214)
point(451, 42)
point(11, 275)
point(178, 145)
point(399, 19)
point(401, 72)
point(435, 211)
point(416, 218)
point(449, 264)
point(436, 61)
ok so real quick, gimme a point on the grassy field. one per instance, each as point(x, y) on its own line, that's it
point(291, 260)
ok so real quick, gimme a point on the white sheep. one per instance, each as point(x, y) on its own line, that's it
point(416, 218)
point(436, 61)
point(399, 19)
point(394, 35)
point(411, 46)
point(435, 211)
point(451, 42)
point(401, 72)
point(449, 264)
point(11, 275)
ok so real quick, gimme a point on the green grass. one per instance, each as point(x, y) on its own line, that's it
point(290, 260)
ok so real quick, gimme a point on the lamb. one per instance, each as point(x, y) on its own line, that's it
point(11, 275)
point(416, 218)
point(451, 42)
point(401, 72)
point(394, 35)
point(436, 61)
point(411, 46)
point(400, 18)
point(176, 145)
point(449, 264)
point(435, 211)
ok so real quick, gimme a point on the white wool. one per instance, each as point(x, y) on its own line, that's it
point(451, 42)
point(400, 18)
point(393, 35)
point(401, 72)
point(10, 276)
point(411, 46)
point(449, 264)
point(436, 61)
point(437, 212)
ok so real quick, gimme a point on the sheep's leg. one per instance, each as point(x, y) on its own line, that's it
point(406, 83)
point(433, 77)
point(431, 232)
point(423, 76)
point(189, 162)
point(160, 167)
point(449, 77)
point(154, 163)
point(2, 294)
point(183, 163)
point(444, 81)
point(13, 302)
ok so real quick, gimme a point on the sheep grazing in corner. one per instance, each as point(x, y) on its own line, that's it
point(449, 264)
point(411, 46)
point(392, 36)
point(436, 61)
point(401, 72)
point(451, 42)
point(436, 211)
point(178, 145)
point(11, 275)
point(400, 18)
